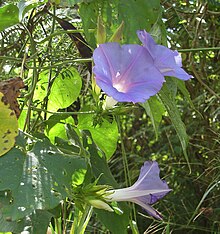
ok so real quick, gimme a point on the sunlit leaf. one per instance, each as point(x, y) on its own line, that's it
point(58, 129)
point(104, 134)
point(9, 16)
point(8, 127)
point(65, 90)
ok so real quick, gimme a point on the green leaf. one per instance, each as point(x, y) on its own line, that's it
point(7, 225)
point(54, 119)
point(43, 177)
point(8, 127)
point(41, 87)
point(114, 13)
point(9, 16)
point(145, 12)
point(10, 226)
point(182, 87)
point(65, 90)
point(66, 147)
point(75, 140)
point(174, 114)
point(99, 165)
point(114, 222)
point(58, 129)
point(13, 161)
point(155, 110)
point(37, 222)
point(105, 134)
point(40, 221)
point(89, 15)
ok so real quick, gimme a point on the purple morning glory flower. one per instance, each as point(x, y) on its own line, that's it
point(134, 73)
point(147, 190)
point(126, 73)
point(168, 62)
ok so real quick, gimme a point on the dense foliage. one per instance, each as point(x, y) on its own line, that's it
point(69, 143)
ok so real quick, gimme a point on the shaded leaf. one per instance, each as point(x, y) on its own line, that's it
point(70, 3)
point(40, 221)
point(7, 225)
point(42, 180)
point(148, 12)
point(155, 110)
point(182, 87)
point(175, 117)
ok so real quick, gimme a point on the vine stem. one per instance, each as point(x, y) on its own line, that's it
point(124, 156)
point(199, 49)
point(34, 81)
point(125, 163)
point(63, 113)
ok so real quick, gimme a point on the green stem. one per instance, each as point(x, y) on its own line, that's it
point(124, 156)
point(34, 80)
point(125, 163)
point(62, 32)
point(81, 220)
point(64, 211)
point(63, 113)
point(11, 58)
point(199, 49)
point(49, 50)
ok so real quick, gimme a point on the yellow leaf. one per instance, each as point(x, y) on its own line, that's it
point(8, 127)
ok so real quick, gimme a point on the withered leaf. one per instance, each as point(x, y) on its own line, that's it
point(10, 88)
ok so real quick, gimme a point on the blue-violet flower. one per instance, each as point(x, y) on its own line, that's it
point(168, 61)
point(133, 73)
point(147, 190)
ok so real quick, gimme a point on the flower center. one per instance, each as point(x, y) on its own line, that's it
point(119, 83)
point(120, 87)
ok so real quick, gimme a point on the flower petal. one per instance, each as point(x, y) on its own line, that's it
point(148, 189)
point(149, 178)
point(149, 209)
point(126, 73)
point(127, 194)
point(169, 62)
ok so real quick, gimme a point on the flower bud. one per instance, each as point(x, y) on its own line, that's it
point(99, 204)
